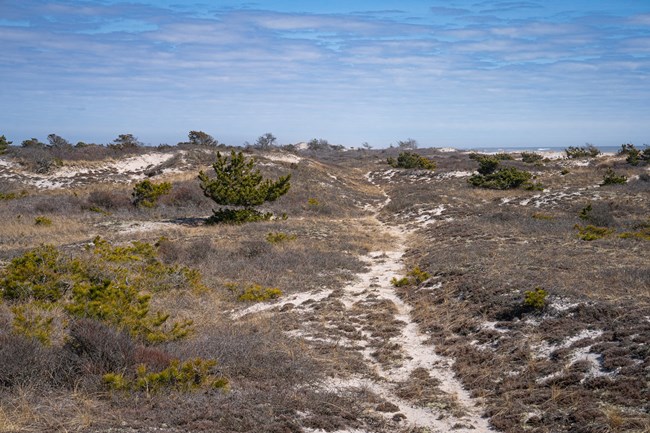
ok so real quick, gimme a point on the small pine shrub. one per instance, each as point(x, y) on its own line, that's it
point(505, 178)
point(535, 299)
point(257, 293)
point(415, 277)
point(42, 221)
point(531, 157)
point(111, 284)
point(312, 202)
point(588, 151)
point(33, 322)
point(185, 376)
point(592, 233)
point(279, 237)
point(402, 282)
point(411, 160)
point(147, 193)
point(611, 178)
point(503, 156)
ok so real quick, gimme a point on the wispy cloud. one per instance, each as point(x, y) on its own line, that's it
point(370, 75)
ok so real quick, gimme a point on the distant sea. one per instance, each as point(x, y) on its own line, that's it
point(604, 149)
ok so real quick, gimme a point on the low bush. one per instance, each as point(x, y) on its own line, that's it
point(112, 285)
point(535, 299)
point(612, 178)
point(257, 293)
point(505, 178)
point(184, 376)
point(107, 199)
point(415, 277)
point(531, 157)
point(411, 160)
point(592, 233)
point(147, 193)
point(587, 151)
point(279, 237)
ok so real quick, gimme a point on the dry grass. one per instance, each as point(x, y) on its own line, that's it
point(486, 248)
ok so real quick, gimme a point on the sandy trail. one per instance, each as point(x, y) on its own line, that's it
point(393, 357)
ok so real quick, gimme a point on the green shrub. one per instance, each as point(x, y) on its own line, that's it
point(592, 233)
point(257, 293)
point(611, 178)
point(279, 237)
point(535, 299)
point(587, 151)
point(112, 285)
point(147, 193)
point(411, 160)
point(486, 164)
point(185, 376)
point(504, 178)
point(33, 322)
point(402, 282)
point(503, 156)
point(238, 183)
point(415, 277)
point(42, 221)
point(531, 157)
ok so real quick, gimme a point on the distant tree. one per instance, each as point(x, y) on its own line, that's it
point(32, 142)
point(265, 141)
point(56, 141)
point(4, 144)
point(125, 142)
point(318, 144)
point(366, 145)
point(408, 144)
point(200, 138)
point(586, 151)
point(238, 183)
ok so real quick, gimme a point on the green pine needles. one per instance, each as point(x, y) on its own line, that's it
point(237, 183)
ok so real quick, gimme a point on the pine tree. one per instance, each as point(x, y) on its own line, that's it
point(238, 183)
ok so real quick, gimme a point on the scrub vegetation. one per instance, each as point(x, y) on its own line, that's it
point(343, 290)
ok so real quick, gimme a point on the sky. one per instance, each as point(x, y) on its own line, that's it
point(445, 73)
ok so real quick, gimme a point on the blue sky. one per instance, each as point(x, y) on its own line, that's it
point(447, 73)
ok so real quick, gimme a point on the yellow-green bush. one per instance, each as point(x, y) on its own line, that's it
point(111, 284)
point(535, 299)
point(415, 276)
point(279, 237)
point(592, 233)
point(257, 293)
point(181, 376)
point(147, 193)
